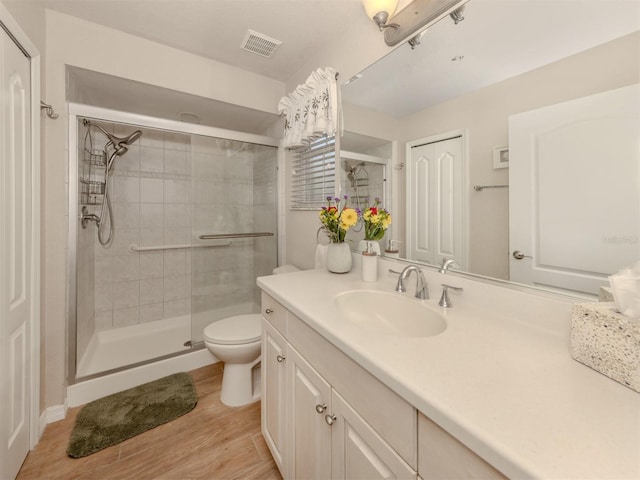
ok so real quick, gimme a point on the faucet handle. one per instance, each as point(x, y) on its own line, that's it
point(446, 264)
point(400, 286)
point(444, 299)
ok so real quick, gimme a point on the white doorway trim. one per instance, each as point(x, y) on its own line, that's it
point(464, 136)
point(31, 51)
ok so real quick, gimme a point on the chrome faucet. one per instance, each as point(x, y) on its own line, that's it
point(422, 290)
point(444, 299)
point(446, 263)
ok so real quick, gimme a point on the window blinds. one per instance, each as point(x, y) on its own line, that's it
point(313, 175)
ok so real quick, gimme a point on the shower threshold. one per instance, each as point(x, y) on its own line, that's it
point(117, 348)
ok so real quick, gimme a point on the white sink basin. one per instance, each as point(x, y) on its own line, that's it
point(390, 313)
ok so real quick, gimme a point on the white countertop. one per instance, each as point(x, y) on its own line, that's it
point(502, 381)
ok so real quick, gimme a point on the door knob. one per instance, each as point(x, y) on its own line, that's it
point(320, 408)
point(268, 311)
point(518, 255)
point(280, 358)
point(330, 419)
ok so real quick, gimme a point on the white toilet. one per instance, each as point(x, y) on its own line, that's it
point(236, 342)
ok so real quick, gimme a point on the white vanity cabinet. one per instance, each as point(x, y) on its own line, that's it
point(357, 451)
point(327, 417)
point(273, 372)
point(309, 434)
point(442, 457)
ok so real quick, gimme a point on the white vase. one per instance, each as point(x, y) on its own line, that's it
point(339, 257)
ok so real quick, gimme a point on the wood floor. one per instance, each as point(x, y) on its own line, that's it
point(212, 441)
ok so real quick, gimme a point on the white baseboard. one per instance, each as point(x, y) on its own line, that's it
point(42, 424)
point(55, 413)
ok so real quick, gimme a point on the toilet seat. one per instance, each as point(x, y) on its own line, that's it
point(236, 330)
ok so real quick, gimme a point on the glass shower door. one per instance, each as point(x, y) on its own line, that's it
point(234, 227)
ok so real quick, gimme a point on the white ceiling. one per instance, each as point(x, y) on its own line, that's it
point(215, 28)
point(499, 39)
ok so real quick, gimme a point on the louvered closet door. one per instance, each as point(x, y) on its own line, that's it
point(15, 255)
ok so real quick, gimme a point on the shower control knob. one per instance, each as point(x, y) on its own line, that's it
point(330, 419)
point(321, 408)
point(281, 358)
point(269, 311)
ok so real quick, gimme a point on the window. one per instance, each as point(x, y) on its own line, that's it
point(313, 175)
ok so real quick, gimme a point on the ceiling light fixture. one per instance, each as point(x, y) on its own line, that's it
point(380, 11)
point(411, 20)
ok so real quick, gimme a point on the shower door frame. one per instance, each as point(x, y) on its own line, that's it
point(76, 110)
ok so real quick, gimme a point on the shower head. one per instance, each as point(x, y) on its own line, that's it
point(120, 144)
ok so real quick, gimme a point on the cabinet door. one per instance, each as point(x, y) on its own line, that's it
point(442, 457)
point(273, 392)
point(309, 435)
point(358, 452)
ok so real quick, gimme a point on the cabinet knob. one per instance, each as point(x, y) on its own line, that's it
point(268, 311)
point(330, 419)
point(321, 408)
point(280, 358)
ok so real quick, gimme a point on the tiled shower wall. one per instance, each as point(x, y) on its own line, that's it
point(149, 195)
point(156, 203)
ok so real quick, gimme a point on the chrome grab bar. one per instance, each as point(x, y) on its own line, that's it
point(217, 236)
point(137, 248)
point(479, 188)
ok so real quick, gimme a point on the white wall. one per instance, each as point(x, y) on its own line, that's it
point(71, 41)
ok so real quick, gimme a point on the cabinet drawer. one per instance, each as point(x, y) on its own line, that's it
point(275, 313)
point(391, 417)
point(442, 457)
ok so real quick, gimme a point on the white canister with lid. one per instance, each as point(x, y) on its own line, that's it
point(369, 264)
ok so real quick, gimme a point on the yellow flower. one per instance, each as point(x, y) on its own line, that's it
point(349, 218)
point(375, 218)
point(366, 214)
point(386, 222)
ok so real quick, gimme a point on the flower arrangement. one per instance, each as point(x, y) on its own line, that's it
point(337, 219)
point(376, 221)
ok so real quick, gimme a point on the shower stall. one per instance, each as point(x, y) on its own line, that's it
point(169, 226)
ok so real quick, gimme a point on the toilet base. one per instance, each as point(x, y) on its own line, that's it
point(238, 386)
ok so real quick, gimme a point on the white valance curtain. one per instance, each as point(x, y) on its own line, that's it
point(312, 110)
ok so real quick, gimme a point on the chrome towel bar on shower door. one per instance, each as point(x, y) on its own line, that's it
point(217, 236)
point(137, 248)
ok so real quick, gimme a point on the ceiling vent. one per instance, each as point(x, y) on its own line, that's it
point(259, 44)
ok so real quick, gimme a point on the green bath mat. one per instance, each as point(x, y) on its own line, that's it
point(113, 419)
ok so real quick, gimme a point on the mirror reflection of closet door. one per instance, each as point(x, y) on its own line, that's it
point(435, 207)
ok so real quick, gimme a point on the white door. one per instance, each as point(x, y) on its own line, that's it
point(574, 202)
point(15, 256)
point(435, 202)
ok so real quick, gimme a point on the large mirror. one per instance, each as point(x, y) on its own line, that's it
point(472, 84)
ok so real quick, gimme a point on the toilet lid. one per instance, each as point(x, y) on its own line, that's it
point(235, 330)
